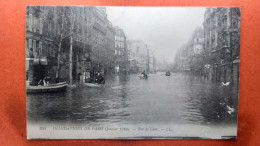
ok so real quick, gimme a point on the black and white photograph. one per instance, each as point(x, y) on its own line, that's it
point(110, 72)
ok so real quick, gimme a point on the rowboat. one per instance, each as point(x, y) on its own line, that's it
point(143, 77)
point(49, 88)
point(168, 73)
point(92, 85)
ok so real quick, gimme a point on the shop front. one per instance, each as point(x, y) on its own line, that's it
point(40, 67)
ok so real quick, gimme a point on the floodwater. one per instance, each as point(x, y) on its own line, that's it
point(176, 99)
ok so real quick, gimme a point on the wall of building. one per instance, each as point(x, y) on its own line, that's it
point(222, 41)
point(121, 51)
point(92, 35)
point(141, 56)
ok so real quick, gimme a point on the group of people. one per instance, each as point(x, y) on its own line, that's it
point(45, 81)
point(98, 77)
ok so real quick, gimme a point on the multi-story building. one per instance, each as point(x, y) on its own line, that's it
point(190, 56)
point(181, 59)
point(66, 42)
point(121, 51)
point(195, 53)
point(40, 42)
point(222, 42)
point(139, 55)
point(110, 49)
point(151, 62)
point(99, 38)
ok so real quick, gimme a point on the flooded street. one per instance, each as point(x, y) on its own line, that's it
point(160, 99)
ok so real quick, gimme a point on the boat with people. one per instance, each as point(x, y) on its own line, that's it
point(98, 81)
point(58, 87)
point(168, 73)
point(143, 75)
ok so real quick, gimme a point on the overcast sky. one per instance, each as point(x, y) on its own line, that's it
point(163, 29)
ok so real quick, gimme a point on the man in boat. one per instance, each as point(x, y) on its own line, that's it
point(143, 74)
point(100, 79)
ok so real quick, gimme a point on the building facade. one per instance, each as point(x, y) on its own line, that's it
point(151, 61)
point(40, 43)
point(213, 52)
point(66, 42)
point(222, 42)
point(121, 52)
point(190, 56)
point(139, 56)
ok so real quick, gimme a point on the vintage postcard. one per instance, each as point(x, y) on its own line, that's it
point(132, 72)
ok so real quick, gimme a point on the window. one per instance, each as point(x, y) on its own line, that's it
point(30, 21)
point(27, 44)
point(40, 46)
point(40, 25)
point(224, 20)
point(49, 26)
point(49, 49)
point(34, 45)
point(30, 43)
point(27, 21)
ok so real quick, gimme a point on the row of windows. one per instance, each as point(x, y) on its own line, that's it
point(34, 23)
point(119, 45)
point(119, 38)
point(103, 54)
point(34, 49)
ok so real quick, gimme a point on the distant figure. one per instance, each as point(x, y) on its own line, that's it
point(168, 73)
point(143, 74)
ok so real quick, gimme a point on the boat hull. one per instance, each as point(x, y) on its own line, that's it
point(59, 87)
point(143, 77)
point(92, 85)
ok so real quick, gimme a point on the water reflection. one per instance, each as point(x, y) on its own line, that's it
point(179, 98)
